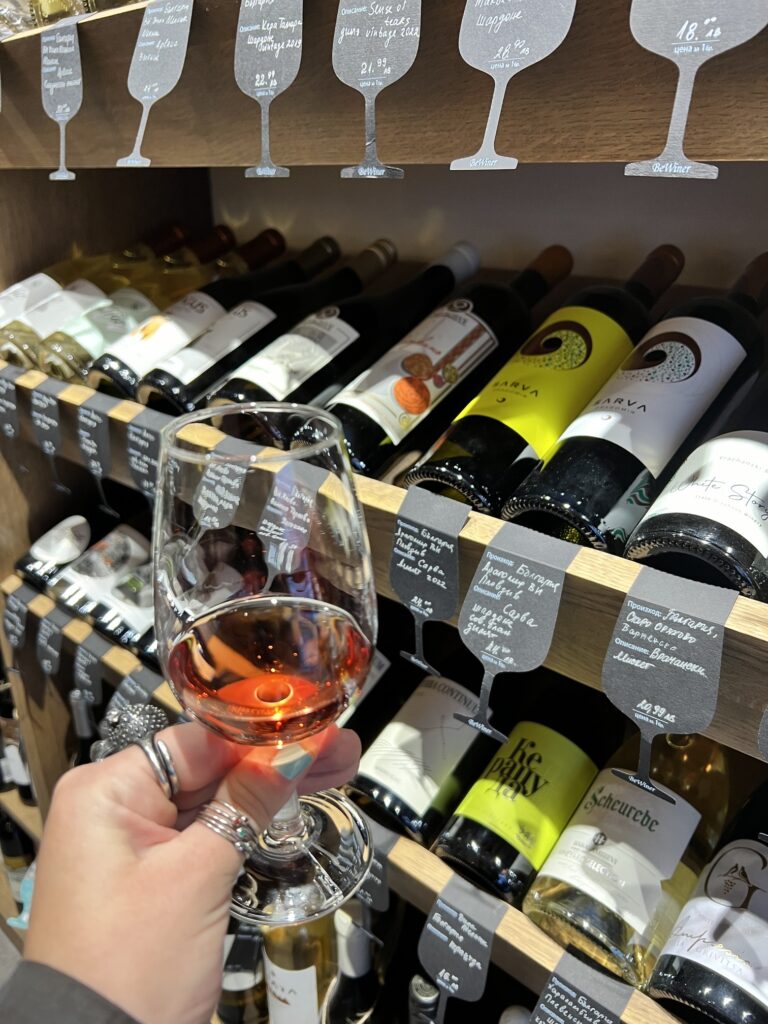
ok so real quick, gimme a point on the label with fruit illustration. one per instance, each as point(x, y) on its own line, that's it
point(404, 385)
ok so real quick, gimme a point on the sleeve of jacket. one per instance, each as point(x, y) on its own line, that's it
point(35, 994)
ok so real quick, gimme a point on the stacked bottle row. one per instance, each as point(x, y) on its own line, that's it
point(575, 428)
point(20, 15)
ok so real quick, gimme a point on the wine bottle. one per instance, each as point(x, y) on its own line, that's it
point(710, 523)
point(413, 391)
point(423, 999)
point(18, 853)
point(299, 965)
point(243, 998)
point(626, 863)
point(414, 772)
point(46, 12)
point(612, 461)
point(505, 827)
point(81, 707)
point(353, 994)
point(545, 384)
point(149, 248)
point(16, 17)
point(181, 383)
point(712, 967)
point(332, 346)
point(515, 1015)
point(244, 259)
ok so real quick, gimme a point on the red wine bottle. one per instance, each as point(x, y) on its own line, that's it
point(325, 351)
point(414, 390)
point(612, 461)
point(180, 382)
point(517, 417)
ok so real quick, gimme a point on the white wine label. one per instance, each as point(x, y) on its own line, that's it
point(621, 845)
point(290, 360)
point(379, 665)
point(662, 390)
point(19, 299)
point(724, 927)
point(110, 321)
point(226, 335)
point(46, 415)
point(135, 303)
point(417, 751)
point(15, 765)
point(724, 481)
point(67, 305)
point(291, 995)
point(413, 377)
point(162, 336)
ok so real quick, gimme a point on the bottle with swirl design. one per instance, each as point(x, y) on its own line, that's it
point(669, 394)
point(519, 415)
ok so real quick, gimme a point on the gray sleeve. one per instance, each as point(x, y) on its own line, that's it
point(35, 993)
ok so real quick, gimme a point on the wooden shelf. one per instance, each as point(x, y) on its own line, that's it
point(599, 98)
point(520, 948)
point(28, 818)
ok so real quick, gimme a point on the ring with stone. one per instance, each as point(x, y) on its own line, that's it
point(231, 824)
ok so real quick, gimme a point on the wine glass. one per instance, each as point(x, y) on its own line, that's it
point(501, 52)
point(265, 611)
point(689, 35)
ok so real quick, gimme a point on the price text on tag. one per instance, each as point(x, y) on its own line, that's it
point(143, 449)
point(288, 517)
point(577, 994)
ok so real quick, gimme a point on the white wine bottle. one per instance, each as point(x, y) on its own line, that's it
point(619, 875)
point(299, 964)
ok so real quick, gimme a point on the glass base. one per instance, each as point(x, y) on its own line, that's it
point(296, 880)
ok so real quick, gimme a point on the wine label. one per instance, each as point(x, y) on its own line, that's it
point(142, 446)
point(417, 751)
point(291, 995)
point(93, 433)
point(415, 375)
point(530, 789)
point(110, 321)
point(662, 390)
point(621, 846)
point(726, 482)
point(724, 927)
point(289, 361)
point(162, 336)
point(58, 310)
point(553, 376)
point(226, 335)
point(20, 298)
point(9, 403)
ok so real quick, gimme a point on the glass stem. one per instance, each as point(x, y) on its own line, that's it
point(682, 105)
point(288, 823)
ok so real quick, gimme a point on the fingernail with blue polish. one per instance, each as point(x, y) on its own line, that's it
point(291, 762)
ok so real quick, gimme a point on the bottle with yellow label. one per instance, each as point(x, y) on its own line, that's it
point(499, 437)
point(506, 825)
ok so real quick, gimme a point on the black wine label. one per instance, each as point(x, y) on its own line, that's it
point(136, 688)
point(455, 946)
point(578, 994)
point(424, 567)
point(88, 668)
point(46, 416)
point(15, 615)
point(9, 403)
point(288, 515)
point(375, 890)
point(220, 491)
point(93, 433)
point(49, 639)
point(143, 449)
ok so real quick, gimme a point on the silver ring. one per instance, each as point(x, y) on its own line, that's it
point(147, 744)
point(170, 768)
point(231, 824)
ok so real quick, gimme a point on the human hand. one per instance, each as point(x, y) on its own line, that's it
point(136, 909)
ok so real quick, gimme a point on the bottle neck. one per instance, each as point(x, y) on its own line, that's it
point(530, 286)
point(748, 302)
point(640, 292)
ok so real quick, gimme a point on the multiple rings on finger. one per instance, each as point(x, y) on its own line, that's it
point(231, 824)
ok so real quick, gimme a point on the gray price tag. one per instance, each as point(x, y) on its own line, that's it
point(220, 491)
point(61, 79)
point(15, 615)
point(577, 994)
point(267, 60)
point(455, 946)
point(157, 64)
point(136, 688)
point(662, 667)
point(689, 35)
point(88, 668)
point(288, 516)
point(424, 567)
point(46, 418)
point(49, 639)
point(374, 45)
point(502, 39)
point(510, 611)
point(375, 891)
point(9, 404)
point(143, 449)
point(93, 433)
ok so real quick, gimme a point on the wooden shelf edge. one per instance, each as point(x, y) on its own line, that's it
point(520, 948)
point(27, 818)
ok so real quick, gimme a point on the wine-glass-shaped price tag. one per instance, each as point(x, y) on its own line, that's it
point(509, 614)
point(94, 443)
point(689, 35)
point(662, 667)
point(375, 45)
point(267, 60)
point(287, 519)
point(61, 80)
point(9, 411)
point(502, 39)
point(142, 448)
point(157, 63)
point(46, 424)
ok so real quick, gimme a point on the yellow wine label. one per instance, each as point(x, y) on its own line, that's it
point(547, 383)
point(530, 790)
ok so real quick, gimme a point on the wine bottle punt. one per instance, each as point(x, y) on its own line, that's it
point(613, 460)
point(519, 415)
